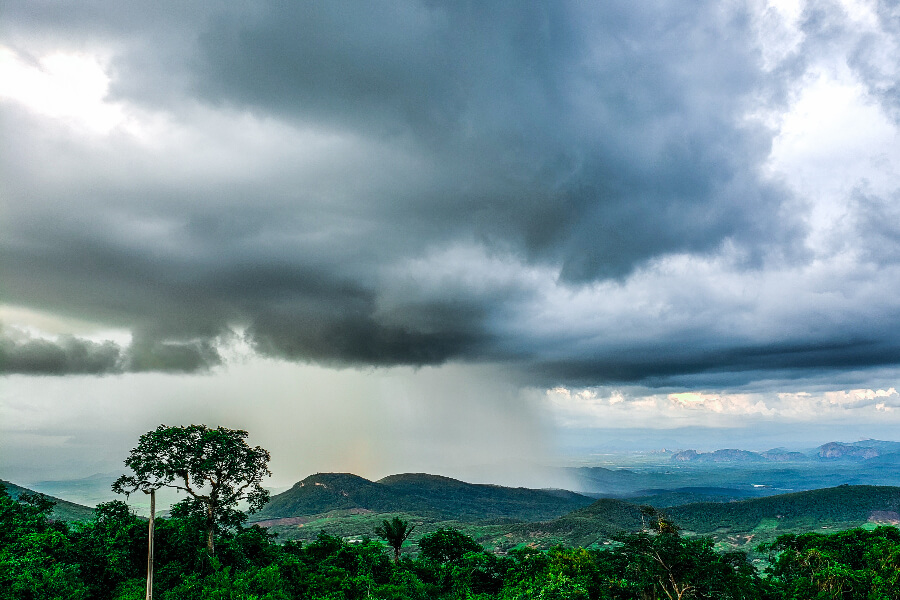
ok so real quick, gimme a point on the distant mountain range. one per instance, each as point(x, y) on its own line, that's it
point(856, 451)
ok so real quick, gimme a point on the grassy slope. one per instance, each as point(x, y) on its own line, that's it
point(64, 511)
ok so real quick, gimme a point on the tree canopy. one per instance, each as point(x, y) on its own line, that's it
point(104, 559)
point(215, 467)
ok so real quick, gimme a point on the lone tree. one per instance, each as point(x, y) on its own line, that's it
point(394, 532)
point(215, 467)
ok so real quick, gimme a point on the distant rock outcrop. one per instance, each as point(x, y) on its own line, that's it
point(685, 456)
point(838, 450)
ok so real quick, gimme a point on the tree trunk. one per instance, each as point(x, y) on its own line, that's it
point(211, 531)
point(150, 545)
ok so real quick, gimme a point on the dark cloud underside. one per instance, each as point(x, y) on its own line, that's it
point(335, 146)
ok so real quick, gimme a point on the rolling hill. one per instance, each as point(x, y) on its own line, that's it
point(830, 506)
point(429, 496)
point(663, 498)
point(743, 524)
point(63, 511)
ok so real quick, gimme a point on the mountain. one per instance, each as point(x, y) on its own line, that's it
point(325, 492)
point(883, 446)
point(468, 500)
point(420, 494)
point(63, 511)
point(861, 450)
point(838, 450)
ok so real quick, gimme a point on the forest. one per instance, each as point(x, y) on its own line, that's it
point(106, 558)
point(204, 549)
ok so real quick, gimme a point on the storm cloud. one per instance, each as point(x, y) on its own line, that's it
point(583, 193)
point(21, 353)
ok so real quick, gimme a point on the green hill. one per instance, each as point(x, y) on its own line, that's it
point(687, 495)
point(502, 518)
point(63, 511)
point(743, 523)
point(585, 526)
point(326, 492)
point(469, 501)
point(429, 496)
point(836, 506)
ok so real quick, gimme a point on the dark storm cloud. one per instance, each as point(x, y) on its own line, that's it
point(21, 353)
point(337, 146)
point(694, 361)
point(594, 138)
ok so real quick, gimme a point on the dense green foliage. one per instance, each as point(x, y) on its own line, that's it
point(850, 565)
point(394, 531)
point(62, 510)
point(215, 467)
point(835, 505)
point(105, 558)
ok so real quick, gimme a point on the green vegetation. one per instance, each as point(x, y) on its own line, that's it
point(858, 564)
point(428, 496)
point(735, 525)
point(62, 510)
point(215, 467)
point(474, 541)
point(394, 532)
point(104, 559)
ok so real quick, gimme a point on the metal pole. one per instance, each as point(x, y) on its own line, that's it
point(152, 493)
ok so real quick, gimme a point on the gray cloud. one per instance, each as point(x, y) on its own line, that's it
point(592, 139)
point(21, 353)
point(319, 150)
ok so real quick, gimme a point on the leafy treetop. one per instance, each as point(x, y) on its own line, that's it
point(215, 467)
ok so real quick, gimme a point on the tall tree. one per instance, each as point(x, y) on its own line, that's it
point(215, 467)
point(394, 532)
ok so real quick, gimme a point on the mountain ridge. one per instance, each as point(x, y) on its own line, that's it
point(421, 493)
point(63, 509)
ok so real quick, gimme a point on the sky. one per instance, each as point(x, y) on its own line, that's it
point(449, 237)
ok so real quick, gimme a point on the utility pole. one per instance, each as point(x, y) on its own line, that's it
point(152, 493)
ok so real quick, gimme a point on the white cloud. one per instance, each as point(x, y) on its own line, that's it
point(625, 407)
point(67, 87)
